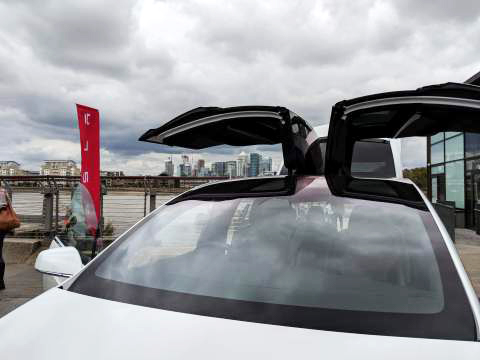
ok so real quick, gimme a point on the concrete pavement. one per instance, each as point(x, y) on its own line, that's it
point(468, 247)
point(23, 282)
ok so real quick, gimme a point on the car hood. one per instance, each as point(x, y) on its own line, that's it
point(63, 325)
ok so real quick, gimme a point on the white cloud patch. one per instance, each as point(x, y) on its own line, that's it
point(143, 62)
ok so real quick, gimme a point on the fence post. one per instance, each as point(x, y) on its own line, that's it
point(56, 191)
point(48, 210)
point(102, 194)
point(153, 200)
point(145, 192)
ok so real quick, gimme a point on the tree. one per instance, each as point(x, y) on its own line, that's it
point(418, 176)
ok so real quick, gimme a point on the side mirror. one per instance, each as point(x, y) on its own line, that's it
point(62, 262)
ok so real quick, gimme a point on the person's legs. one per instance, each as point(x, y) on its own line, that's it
point(2, 263)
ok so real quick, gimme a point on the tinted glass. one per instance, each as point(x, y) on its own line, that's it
point(373, 159)
point(437, 137)
point(455, 186)
point(304, 256)
point(437, 154)
point(454, 148)
point(472, 144)
point(450, 134)
point(438, 169)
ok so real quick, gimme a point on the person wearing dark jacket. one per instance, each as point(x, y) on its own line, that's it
point(2, 262)
point(3, 205)
point(8, 222)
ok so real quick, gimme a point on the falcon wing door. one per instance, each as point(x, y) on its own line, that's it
point(237, 126)
point(422, 112)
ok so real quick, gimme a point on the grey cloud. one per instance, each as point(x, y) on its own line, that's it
point(440, 10)
point(142, 63)
point(84, 35)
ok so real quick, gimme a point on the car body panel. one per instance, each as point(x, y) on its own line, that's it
point(422, 112)
point(467, 285)
point(237, 126)
point(91, 328)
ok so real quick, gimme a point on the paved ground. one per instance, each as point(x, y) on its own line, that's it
point(468, 247)
point(24, 283)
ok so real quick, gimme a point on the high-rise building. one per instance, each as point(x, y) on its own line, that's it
point(231, 169)
point(265, 166)
point(254, 167)
point(200, 168)
point(218, 168)
point(242, 165)
point(169, 167)
point(185, 170)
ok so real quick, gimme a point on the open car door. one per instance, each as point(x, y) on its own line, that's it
point(422, 112)
point(239, 126)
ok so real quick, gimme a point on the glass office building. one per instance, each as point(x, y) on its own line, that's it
point(453, 166)
point(453, 160)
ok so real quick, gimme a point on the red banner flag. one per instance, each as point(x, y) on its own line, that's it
point(89, 124)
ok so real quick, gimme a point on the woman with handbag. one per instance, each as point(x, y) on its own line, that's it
point(8, 221)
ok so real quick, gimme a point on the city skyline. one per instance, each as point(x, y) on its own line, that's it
point(46, 167)
point(243, 165)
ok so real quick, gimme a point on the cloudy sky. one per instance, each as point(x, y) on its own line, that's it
point(141, 63)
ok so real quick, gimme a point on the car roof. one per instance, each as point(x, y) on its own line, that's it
point(399, 190)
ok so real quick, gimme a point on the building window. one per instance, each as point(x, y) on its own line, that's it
point(438, 169)
point(450, 134)
point(436, 138)
point(438, 155)
point(434, 190)
point(454, 148)
point(455, 186)
point(472, 144)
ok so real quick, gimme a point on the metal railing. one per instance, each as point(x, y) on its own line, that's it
point(42, 202)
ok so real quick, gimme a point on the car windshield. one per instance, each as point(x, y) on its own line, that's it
point(310, 253)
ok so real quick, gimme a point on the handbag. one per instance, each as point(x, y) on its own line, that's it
point(8, 218)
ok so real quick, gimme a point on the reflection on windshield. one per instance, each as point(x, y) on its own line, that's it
point(286, 251)
point(81, 225)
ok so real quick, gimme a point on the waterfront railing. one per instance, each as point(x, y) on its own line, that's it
point(42, 202)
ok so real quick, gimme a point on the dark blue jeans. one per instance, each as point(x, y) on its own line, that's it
point(2, 263)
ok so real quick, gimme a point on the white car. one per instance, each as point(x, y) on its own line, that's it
point(290, 267)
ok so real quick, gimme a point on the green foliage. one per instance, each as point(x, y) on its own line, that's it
point(108, 229)
point(418, 176)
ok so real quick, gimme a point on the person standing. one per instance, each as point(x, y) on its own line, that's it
point(8, 222)
point(2, 262)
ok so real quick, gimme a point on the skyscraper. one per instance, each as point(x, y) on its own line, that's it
point(218, 169)
point(200, 168)
point(169, 167)
point(242, 164)
point(265, 166)
point(231, 169)
point(254, 168)
point(185, 168)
